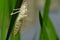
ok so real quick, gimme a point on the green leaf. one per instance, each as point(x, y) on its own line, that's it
point(4, 11)
point(47, 29)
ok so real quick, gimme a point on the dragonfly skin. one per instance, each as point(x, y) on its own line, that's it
point(22, 14)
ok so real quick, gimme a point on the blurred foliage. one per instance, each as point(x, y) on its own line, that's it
point(47, 29)
point(3, 17)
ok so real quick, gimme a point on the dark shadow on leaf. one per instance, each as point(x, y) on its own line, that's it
point(41, 19)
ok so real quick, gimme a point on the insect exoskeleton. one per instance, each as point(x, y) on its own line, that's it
point(17, 27)
point(22, 14)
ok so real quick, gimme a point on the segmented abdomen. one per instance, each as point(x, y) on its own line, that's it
point(21, 16)
point(17, 27)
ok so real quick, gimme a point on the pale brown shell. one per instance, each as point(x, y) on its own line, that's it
point(17, 27)
point(20, 18)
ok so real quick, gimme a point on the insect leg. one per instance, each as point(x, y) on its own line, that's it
point(16, 9)
point(22, 17)
point(15, 13)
